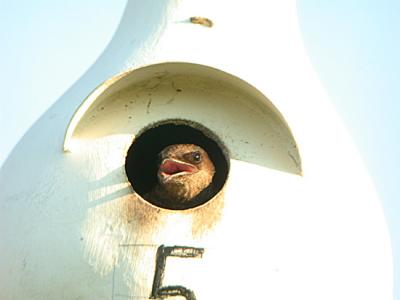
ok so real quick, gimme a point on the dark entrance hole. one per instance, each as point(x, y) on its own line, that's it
point(142, 159)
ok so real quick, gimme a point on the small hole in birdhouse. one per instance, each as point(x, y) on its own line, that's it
point(177, 164)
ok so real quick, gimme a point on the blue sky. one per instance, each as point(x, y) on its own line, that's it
point(353, 45)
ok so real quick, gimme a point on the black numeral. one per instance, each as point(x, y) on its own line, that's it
point(158, 291)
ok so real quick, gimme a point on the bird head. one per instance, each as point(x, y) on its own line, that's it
point(184, 171)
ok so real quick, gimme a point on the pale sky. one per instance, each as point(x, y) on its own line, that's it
point(353, 45)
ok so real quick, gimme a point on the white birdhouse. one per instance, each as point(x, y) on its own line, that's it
point(291, 213)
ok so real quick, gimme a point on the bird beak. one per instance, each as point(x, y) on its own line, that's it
point(171, 167)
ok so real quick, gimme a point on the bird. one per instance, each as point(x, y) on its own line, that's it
point(184, 172)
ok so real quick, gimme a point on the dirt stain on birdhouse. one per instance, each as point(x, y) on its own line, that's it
point(149, 219)
point(202, 21)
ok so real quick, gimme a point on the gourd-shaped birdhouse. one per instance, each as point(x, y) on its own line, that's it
point(200, 167)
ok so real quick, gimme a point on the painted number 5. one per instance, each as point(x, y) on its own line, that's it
point(158, 291)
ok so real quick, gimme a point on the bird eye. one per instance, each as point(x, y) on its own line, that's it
point(196, 156)
point(193, 157)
